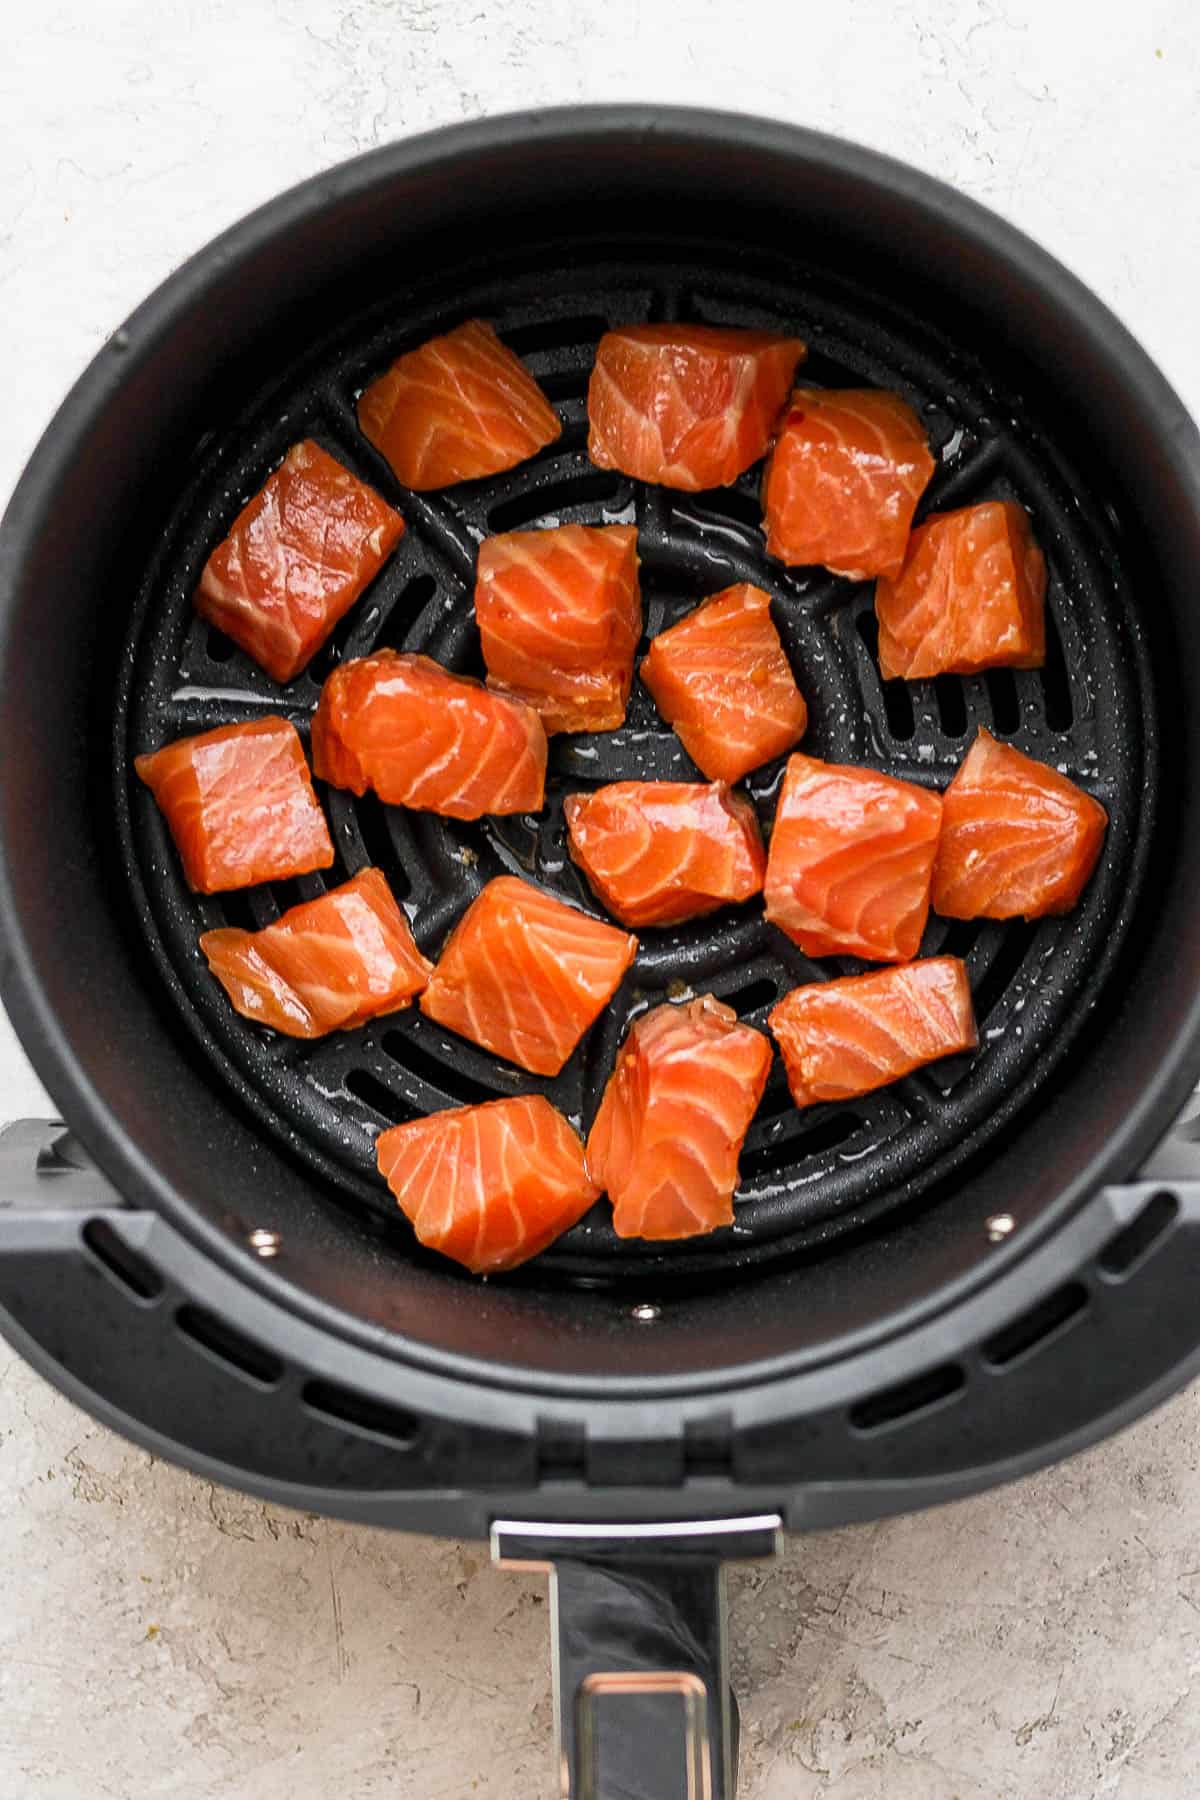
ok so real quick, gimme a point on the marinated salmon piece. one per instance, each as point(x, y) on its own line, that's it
point(844, 1038)
point(240, 805)
point(324, 965)
point(524, 975)
point(656, 852)
point(844, 479)
point(675, 1113)
point(560, 615)
point(296, 559)
point(488, 1185)
point(971, 596)
point(460, 407)
point(422, 737)
point(1019, 840)
point(687, 406)
point(851, 861)
point(722, 679)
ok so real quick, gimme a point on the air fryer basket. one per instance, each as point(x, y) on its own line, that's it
point(924, 1291)
point(1090, 711)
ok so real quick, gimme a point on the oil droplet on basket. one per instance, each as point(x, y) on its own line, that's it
point(853, 1156)
point(327, 1093)
point(711, 528)
point(237, 696)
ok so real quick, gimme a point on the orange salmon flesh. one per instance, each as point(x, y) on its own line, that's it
point(844, 479)
point(325, 965)
point(657, 852)
point(666, 1140)
point(460, 407)
point(971, 596)
point(560, 615)
point(843, 1038)
point(418, 736)
point(240, 805)
point(687, 406)
point(524, 975)
point(296, 559)
point(488, 1185)
point(721, 677)
point(1018, 840)
point(851, 861)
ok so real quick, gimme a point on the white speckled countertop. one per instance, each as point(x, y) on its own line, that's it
point(162, 1637)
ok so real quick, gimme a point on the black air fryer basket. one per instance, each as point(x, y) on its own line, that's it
point(934, 1288)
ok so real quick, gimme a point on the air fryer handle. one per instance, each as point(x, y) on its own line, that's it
point(643, 1707)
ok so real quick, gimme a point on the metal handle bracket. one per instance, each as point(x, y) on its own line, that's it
point(642, 1704)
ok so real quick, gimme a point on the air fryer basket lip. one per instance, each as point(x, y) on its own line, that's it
point(48, 1044)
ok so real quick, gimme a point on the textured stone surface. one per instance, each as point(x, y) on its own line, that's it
point(160, 1637)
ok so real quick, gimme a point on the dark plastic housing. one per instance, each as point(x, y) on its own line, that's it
point(821, 1377)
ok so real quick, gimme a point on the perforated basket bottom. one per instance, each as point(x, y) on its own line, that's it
point(1088, 713)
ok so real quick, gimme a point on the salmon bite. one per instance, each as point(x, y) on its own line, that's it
point(721, 677)
point(240, 805)
point(296, 559)
point(458, 408)
point(559, 615)
point(524, 975)
point(687, 406)
point(491, 1185)
point(675, 1113)
point(657, 852)
point(326, 965)
point(419, 736)
point(844, 479)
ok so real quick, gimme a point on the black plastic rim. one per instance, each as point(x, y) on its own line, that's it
point(1129, 1137)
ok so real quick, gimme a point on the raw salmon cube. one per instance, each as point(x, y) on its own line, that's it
point(844, 1038)
point(844, 479)
point(971, 596)
point(488, 1185)
point(687, 406)
point(325, 965)
point(460, 407)
point(296, 559)
point(851, 861)
point(1018, 839)
point(240, 805)
point(675, 1113)
point(422, 737)
point(722, 679)
point(524, 975)
point(560, 615)
point(656, 852)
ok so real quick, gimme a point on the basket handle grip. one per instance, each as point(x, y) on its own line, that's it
point(643, 1707)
